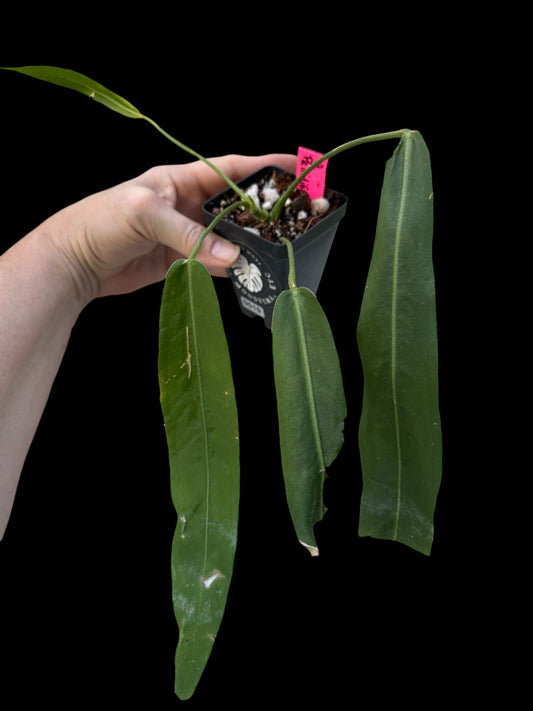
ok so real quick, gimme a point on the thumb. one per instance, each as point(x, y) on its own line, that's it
point(174, 230)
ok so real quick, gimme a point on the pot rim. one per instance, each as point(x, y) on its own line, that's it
point(243, 235)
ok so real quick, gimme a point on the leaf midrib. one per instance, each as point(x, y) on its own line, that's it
point(205, 434)
point(398, 234)
point(309, 386)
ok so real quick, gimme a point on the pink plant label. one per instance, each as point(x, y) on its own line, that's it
point(314, 183)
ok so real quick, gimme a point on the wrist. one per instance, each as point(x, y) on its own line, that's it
point(46, 277)
point(61, 266)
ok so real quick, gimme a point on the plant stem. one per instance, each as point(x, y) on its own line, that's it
point(245, 199)
point(213, 224)
point(292, 269)
point(276, 210)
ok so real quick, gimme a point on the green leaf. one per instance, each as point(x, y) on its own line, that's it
point(199, 409)
point(79, 82)
point(311, 404)
point(400, 432)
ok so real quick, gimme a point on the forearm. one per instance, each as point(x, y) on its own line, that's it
point(38, 307)
point(112, 242)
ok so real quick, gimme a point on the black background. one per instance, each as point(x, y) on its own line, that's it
point(85, 605)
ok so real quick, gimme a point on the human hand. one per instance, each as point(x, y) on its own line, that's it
point(126, 237)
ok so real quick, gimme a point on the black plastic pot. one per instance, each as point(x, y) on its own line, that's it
point(262, 270)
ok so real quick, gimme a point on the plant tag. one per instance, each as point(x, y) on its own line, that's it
point(314, 183)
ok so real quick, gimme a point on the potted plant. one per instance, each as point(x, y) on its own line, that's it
point(262, 271)
point(399, 433)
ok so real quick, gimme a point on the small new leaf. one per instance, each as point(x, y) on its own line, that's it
point(79, 82)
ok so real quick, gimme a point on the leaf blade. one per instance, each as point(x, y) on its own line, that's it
point(70, 79)
point(198, 404)
point(311, 405)
point(400, 438)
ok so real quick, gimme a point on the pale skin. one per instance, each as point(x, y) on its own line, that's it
point(112, 242)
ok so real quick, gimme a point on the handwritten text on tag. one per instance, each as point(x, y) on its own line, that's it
point(315, 182)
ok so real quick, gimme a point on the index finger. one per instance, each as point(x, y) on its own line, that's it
point(196, 182)
point(237, 167)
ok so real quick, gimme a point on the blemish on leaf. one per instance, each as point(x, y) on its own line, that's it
point(312, 549)
point(188, 358)
point(208, 580)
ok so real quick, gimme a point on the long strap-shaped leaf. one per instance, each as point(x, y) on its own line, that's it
point(311, 404)
point(400, 434)
point(198, 403)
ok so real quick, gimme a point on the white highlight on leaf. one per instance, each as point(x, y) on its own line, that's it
point(208, 580)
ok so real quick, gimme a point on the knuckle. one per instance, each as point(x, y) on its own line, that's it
point(139, 201)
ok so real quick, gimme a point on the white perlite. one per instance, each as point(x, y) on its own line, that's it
point(319, 206)
point(266, 199)
point(269, 194)
point(253, 192)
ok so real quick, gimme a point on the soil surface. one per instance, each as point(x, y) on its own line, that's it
point(298, 215)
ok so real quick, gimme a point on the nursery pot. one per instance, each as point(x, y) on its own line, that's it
point(262, 270)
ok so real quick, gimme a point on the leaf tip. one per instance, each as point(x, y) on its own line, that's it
point(313, 550)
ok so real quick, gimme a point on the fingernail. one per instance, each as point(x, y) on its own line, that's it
point(225, 251)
